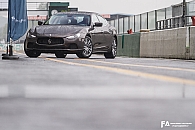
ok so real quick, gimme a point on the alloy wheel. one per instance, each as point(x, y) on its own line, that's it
point(88, 47)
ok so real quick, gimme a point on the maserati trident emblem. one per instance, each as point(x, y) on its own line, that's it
point(49, 41)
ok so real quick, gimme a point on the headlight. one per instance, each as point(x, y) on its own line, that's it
point(73, 37)
point(30, 35)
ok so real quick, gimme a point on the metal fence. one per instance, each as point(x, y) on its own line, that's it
point(170, 17)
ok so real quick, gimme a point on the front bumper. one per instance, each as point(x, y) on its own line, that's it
point(67, 46)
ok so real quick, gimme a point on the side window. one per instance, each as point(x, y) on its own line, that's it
point(94, 19)
point(102, 20)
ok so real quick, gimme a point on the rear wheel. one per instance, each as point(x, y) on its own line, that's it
point(60, 54)
point(31, 53)
point(113, 51)
point(88, 49)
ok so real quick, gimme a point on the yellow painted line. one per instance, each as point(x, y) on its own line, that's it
point(132, 73)
point(19, 53)
point(143, 66)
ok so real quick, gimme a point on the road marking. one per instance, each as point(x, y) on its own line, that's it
point(19, 53)
point(132, 73)
point(88, 92)
point(99, 92)
point(134, 65)
point(144, 66)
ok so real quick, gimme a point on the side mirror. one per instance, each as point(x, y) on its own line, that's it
point(40, 22)
point(98, 24)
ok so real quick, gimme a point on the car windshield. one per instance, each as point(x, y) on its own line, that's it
point(69, 19)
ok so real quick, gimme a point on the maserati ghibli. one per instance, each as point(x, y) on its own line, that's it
point(80, 33)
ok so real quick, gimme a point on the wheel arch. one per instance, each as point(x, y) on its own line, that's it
point(88, 35)
point(115, 36)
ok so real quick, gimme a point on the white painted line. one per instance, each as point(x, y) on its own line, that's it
point(112, 92)
point(79, 92)
point(105, 92)
point(143, 66)
point(4, 92)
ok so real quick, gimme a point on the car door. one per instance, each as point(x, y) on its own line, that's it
point(97, 35)
point(107, 34)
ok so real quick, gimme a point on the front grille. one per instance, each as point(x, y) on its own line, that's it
point(50, 41)
point(50, 47)
point(73, 46)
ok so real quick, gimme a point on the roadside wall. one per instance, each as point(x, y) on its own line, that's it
point(171, 43)
point(192, 43)
point(129, 45)
point(164, 44)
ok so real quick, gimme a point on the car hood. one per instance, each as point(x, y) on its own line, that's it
point(57, 30)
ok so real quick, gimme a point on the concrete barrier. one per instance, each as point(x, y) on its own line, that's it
point(169, 43)
point(192, 43)
point(129, 45)
point(119, 45)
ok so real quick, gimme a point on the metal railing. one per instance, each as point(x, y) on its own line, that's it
point(170, 17)
point(174, 22)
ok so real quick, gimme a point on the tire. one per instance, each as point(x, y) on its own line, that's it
point(31, 53)
point(60, 54)
point(113, 51)
point(88, 49)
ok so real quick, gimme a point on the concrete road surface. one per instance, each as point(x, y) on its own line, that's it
point(47, 93)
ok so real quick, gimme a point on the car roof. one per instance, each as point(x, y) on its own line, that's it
point(78, 12)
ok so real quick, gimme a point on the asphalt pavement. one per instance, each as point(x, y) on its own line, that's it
point(49, 93)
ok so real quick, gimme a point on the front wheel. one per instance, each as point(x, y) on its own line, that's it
point(88, 48)
point(60, 54)
point(113, 51)
point(31, 53)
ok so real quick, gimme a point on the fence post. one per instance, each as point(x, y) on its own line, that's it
point(184, 13)
point(156, 25)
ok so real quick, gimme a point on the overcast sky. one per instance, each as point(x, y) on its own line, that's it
point(116, 6)
point(120, 6)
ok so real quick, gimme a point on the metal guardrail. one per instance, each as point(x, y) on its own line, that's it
point(174, 22)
